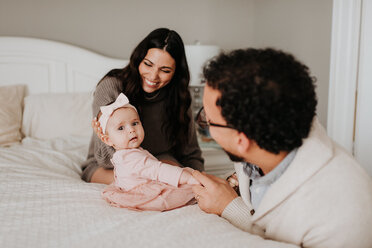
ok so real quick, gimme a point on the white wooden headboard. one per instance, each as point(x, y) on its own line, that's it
point(48, 66)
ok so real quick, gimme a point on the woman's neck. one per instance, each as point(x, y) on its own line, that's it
point(154, 96)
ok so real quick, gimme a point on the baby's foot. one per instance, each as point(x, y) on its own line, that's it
point(234, 182)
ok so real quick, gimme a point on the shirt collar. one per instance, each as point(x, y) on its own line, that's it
point(255, 173)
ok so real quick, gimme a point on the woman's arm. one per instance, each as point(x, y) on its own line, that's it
point(102, 175)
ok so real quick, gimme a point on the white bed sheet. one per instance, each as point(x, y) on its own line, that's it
point(44, 203)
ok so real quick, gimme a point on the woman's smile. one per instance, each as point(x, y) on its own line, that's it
point(150, 83)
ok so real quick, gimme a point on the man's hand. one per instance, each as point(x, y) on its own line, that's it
point(214, 193)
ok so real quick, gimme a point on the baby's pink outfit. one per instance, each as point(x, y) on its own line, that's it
point(144, 183)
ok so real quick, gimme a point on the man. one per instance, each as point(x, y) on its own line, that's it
point(297, 186)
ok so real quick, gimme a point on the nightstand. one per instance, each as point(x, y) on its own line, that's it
point(216, 161)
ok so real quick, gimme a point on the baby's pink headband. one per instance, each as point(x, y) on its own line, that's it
point(121, 101)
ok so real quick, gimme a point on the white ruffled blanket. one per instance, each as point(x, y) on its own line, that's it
point(44, 203)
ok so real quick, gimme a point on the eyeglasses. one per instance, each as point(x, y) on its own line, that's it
point(201, 120)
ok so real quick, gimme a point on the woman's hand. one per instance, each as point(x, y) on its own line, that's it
point(97, 128)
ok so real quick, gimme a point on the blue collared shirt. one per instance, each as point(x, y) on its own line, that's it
point(260, 183)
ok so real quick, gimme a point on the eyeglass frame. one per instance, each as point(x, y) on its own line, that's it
point(206, 124)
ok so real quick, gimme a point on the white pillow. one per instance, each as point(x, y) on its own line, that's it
point(53, 115)
point(11, 100)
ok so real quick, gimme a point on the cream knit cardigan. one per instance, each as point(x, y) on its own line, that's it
point(323, 199)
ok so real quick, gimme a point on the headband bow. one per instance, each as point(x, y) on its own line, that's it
point(121, 101)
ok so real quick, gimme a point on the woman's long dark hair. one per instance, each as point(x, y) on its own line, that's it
point(178, 98)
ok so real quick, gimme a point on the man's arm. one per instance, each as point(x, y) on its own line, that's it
point(218, 197)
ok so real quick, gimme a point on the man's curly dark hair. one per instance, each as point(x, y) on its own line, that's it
point(266, 94)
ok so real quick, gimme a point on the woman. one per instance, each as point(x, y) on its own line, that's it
point(156, 82)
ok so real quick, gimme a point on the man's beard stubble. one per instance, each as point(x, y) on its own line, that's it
point(233, 157)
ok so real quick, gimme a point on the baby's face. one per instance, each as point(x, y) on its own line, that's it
point(124, 129)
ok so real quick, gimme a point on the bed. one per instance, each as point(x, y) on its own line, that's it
point(45, 106)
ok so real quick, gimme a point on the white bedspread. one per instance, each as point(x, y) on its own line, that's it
point(44, 203)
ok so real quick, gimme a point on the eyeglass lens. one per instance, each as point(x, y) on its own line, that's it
point(202, 119)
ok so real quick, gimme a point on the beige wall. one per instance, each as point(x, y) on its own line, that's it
point(114, 27)
point(302, 27)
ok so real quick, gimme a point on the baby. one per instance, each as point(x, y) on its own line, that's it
point(141, 181)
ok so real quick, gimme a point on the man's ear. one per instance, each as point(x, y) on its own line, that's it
point(105, 139)
point(243, 143)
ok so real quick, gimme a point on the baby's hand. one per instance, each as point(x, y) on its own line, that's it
point(188, 169)
point(193, 181)
point(187, 178)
